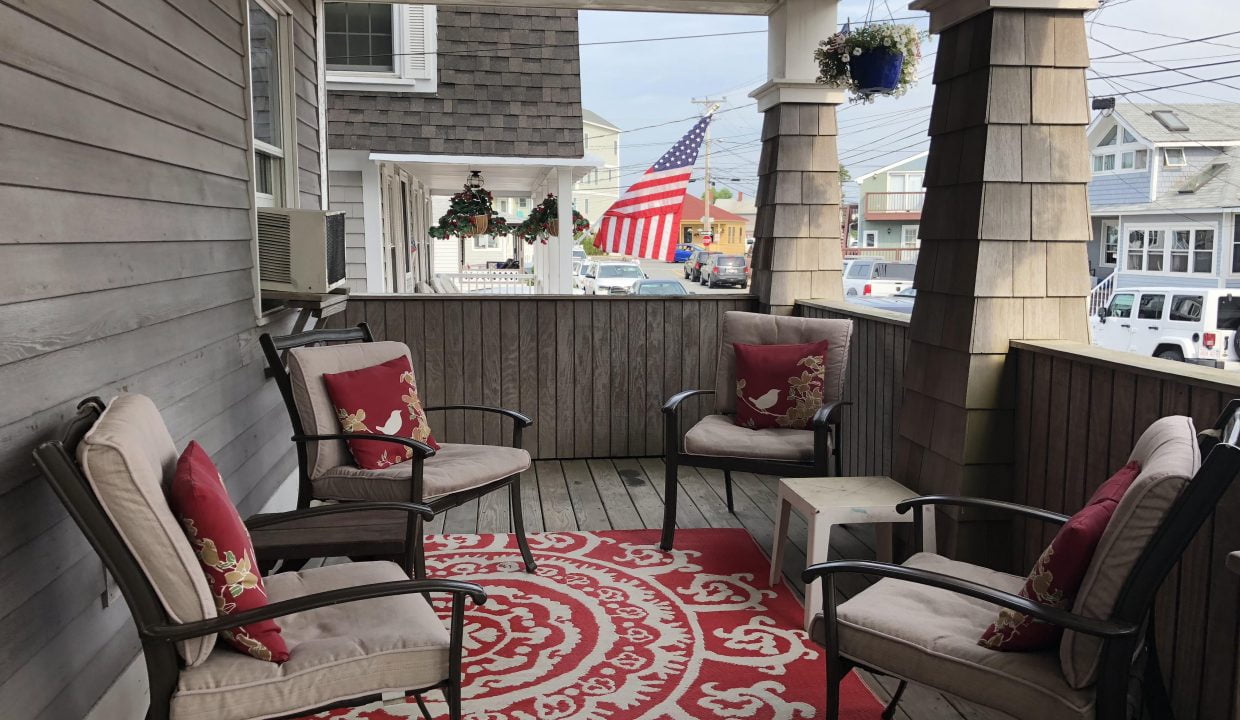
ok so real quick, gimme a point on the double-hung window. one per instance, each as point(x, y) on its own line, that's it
point(1120, 151)
point(380, 47)
point(1110, 243)
point(270, 106)
point(1170, 249)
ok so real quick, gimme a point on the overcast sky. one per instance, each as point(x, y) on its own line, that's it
point(647, 83)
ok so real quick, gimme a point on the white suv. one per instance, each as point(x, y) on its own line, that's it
point(612, 277)
point(1197, 325)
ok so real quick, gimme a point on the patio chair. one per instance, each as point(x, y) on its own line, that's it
point(387, 638)
point(442, 479)
point(717, 442)
point(921, 622)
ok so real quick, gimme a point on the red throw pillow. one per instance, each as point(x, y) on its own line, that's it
point(779, 386)
point(380, 400)
point(1058, 573)
point(222, 544)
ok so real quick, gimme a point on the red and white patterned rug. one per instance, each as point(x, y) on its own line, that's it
point(610, 628)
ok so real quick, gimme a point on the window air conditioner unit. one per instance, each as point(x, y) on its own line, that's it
point(300, 250)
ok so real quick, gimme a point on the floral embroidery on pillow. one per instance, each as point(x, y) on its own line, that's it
point(238, 578)
point(379, 400)
point(779, 385)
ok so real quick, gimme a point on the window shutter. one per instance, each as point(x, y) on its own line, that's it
point(419, 41)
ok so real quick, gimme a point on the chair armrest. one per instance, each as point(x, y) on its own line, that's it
point(254, 522)
point(1013, 508)
point(422, 450)
point(200, 628)
point(1062, 618)
point(829, 413)
point(520, 418)
point(672, 405)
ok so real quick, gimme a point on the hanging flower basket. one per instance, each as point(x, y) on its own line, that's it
point(877, 59)
point(469, 214)
point(544, 222)
point(553, 228)
point(481, 223)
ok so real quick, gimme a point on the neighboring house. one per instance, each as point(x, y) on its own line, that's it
point(1164, 196)
point(743, 206)
point(412, 109)
point(597, 191)
point(728, 229)
point(890, 205)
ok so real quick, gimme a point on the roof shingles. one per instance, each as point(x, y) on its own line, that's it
point(508, 101)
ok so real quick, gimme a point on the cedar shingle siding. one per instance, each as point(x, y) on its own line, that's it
point(494, 98)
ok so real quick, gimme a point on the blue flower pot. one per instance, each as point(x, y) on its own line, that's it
point(876, 71)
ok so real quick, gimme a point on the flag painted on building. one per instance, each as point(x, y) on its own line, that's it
point(645, 221)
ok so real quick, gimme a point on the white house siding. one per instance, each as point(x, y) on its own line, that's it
point(128, 253)
point(344, 192)
point(1118, 189)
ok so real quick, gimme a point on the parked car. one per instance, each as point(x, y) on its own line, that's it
point(612, 277)
point(683, 251)
point(901, 302)
point(579, 253)
point(874, 276)
point(693, 266)
point(1196, 325)
point(579, 275)
point(658, 287)
point(725, 270)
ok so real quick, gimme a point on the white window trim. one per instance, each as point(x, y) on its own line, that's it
point(1167, 229)
point(1167, 160)
point(1102, 244)
point(1118, 149)
point(401, 79)
point(865, 237)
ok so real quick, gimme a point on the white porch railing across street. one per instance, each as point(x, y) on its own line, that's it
point(486, 282)
point(1100, 294)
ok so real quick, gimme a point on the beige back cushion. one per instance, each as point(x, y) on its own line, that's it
point(760, 329)
point(1169, 458)
point(306, 367)
point(129, 460)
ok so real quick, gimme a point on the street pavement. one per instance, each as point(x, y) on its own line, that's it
point(658, 270)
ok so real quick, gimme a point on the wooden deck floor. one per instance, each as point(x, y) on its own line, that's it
point(626, 494)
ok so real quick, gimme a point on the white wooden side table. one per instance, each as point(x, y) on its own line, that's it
point(828, 501)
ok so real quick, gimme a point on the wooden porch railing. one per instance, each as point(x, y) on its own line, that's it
point(1079, 411)
point(893, 203)
point(593, 372)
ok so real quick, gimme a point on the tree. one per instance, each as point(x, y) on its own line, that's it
point(845, 176)
point(719, 193)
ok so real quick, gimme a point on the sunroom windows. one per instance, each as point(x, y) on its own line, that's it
point(1120, 151)
point(1169, 249)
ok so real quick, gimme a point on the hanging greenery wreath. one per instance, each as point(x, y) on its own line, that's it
point(544, 221)
point(470, 212)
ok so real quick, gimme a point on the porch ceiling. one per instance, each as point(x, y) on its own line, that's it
point(513, 176)
point(716, 7)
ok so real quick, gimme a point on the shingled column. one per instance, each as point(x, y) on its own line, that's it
point(797, 230)
point(1003, 232)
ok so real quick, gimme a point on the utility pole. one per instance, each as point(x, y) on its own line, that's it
point(708, 197)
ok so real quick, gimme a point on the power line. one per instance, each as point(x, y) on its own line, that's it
point(1163, 69)
point(1166, 87)
point(1183, 41)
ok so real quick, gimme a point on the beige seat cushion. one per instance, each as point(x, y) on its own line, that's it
point(762, 329)
point(455, 467)
point(336, 653)
point(1169, 457)
point(306, 367)
point(929, 636)
point(717, 435)
point(129, 460)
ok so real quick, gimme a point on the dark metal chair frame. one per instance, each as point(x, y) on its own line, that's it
point(159, 633)
point(275, 347)
point(1121, 633)
point(827, 440)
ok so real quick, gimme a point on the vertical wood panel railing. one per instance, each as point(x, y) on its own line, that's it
point(1080, 409)
point(593, 372)
point(874, 383)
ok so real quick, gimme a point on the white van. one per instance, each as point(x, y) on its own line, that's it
point(1192, 324)
point(876, 277)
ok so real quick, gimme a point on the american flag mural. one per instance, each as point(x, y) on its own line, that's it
point(645, 221)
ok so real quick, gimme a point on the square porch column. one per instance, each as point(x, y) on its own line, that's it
point(1004, 231)
point(797, 229)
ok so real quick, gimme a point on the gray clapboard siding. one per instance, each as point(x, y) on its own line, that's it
point(344, 193)
point(128, 257)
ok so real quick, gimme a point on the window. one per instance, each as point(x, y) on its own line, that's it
point(1151, 307)
point(523, 203)
point(1186, 308)
point(380, 46)
point(894, 271)
point(1110, 243)
point(1127, 137)
point(1134, 160)
point(1229, 313)
point(1104, 162)
point(1115, 152)
point(1174, 157)
point(860, 270)
point(359, 36)
point(1170, 249)
point(1169, 120)
point(269, 107)
point(1235, 248)
point(1109, 138)
point(871, 238)
point(485, 242)
point(1121, 306)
